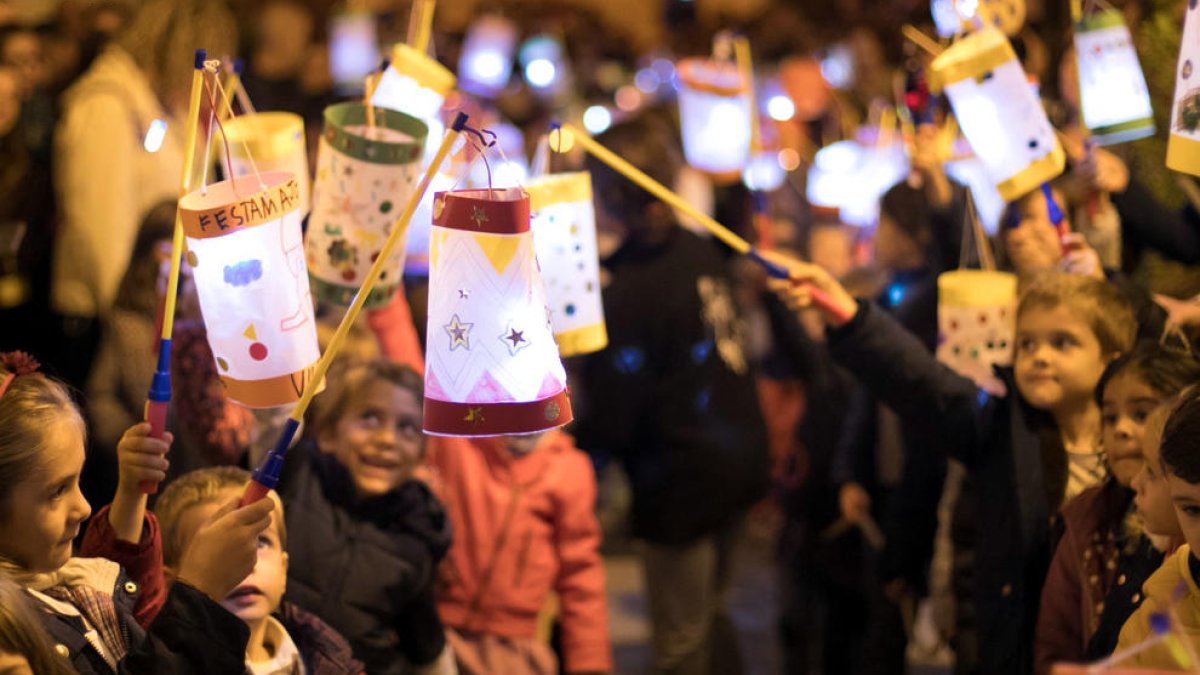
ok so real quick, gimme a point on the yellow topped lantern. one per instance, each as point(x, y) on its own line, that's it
point(1183, 146)
point(247, 256)
point(998, 112)
point(416, 85)
point(270, 141)
point(1112, 88)
point(714, 113)
point(485, 65)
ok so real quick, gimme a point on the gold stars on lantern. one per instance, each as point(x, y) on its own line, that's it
point(474, 416)
point(478, 215)
point(459, 332)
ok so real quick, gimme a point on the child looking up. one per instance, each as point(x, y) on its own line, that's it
point(87, 602)
point(524, 525)
point(284, 639)
point(366, 558)
point(1023, 451)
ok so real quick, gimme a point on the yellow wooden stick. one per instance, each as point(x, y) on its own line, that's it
point(921, 40)
point(185, 186)
point(741, 49)
point(424, 24)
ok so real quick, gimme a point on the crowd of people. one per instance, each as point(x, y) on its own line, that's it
point(1042, 515)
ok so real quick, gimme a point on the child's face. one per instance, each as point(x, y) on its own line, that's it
point(1058, 360)
point(45, 510)
point(378, 437)
point(260, 593)
point(1185, 497)
point(1033, 245)
point(1127, 402)
point(1153, 499)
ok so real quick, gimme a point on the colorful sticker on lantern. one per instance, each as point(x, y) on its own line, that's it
point(459, 332)
point(514, 340)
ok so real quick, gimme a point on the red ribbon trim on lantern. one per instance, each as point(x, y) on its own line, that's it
point(501, 211)
point(443, 418)
point(235, 212)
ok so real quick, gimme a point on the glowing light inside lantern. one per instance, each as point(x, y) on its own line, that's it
point(838, 67)
point(989, 205)
point(647, 80)
point(852, 178)
point(628, 98)
point(275, 141)
point(487, 55)
point(763, 172)
point(597, 119)
point(155, 135)
point(789, 160)
point(714, 113)
point(781, 108)
point(540, 73)
point(1115, 100)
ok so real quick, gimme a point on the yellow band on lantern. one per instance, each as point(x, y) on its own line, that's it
point(238, 211)
point(559, 189)
point(972, 57)
point(1034, 174)
point(272, 391)
point(976, 288)
point(582, 340)
point(427, 72)
point(1183, 154)
point(266, 135)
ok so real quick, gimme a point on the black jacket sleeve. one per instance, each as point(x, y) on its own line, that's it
point(191, 634)
point(419, 629)
point(1175, 233)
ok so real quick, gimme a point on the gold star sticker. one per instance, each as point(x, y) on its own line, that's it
point(474, 416)
point(478, 215)
point(459, 332)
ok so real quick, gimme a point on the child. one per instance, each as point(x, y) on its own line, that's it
point(86, 601)
point(1173, 588)
point(284, 639)
point(1023, 452)
point(1153, 500)
point(366, 557)
point(1102, 552)
point(523, 514)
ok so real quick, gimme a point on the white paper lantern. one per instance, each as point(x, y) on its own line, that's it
point(247, 256)
point(492, 367)
point(564, 237)
point(1112, 89)
point(972, 174)
point(275, 141)
point(416, 85)
point(714, 113)
point(487, 56)
point(364, 178)
point(977, 324)
point(998, 112)
point(763, 173)
point(852, 178)
point(1183, 146)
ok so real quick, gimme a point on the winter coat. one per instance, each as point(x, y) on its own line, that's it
point(322, 649)
point(1172, 587)
point(365, 566)
point(524, 526)
point(1015, 465)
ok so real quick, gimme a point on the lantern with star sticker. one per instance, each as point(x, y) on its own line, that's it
point(564, 237)
point(270, 141)
point(998, 112)
point(246, 252)
point(1183, 146)
point(364, 177)
point(1112, 89)
point(491, 364)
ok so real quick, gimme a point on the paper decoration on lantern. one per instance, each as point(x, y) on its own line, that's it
point(275, 142)
point(977, 323)
point(416, 85)
point(1183, 146)
point(491, 365)
point(714, 113)
point(564, 238)
point(1112, 89)
point(487, 56)
point(998, 112)
point(851, 178)
point(364, 178)
point(246, 252)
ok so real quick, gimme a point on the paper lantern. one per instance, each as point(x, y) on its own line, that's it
point(491, 365)
point(714, 113)
point(364, 178)
point(852, 178)
point(353, 49)
point(998, 112)
point(977, 323)
point(972, 174)
point(487, 56)
point(543, 65)
point(564, 238)
point(246, 251)
point(763, 172)
point(1183, 146)
point(275, 141)
point(1112, 89)
point(416, 85)
point(508, 171)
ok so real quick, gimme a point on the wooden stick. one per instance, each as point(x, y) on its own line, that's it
point(741, 48)
point(921, 40)
point(424, 9)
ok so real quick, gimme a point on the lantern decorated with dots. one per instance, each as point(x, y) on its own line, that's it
point(1112, 88)
point(364, 177)
point(714, 114)
point(270, 141)
point(564, 238)
point(1183, 146)
point(246, 251)
point(998, 112)
point(977, 323)
point(491, 364)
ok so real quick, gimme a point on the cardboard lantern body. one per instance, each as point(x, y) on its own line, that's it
point(275, 141)
point(714, 113)
point(998, 112)
point(1112, 89)
point(1183, 146)
point(491, 367)
point(416, 85)
point(364, 178)
point(564, 238)
point(487, 56)
point(247, 256)
point(977, 323)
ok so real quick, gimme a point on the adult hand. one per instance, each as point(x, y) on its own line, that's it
point(225, 549)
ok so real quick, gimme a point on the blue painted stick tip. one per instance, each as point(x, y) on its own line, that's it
point(239, 65)
point(201, 56)
point(460, 122)
point(555, 125)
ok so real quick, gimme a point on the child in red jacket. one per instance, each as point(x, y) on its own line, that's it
point(522, 509)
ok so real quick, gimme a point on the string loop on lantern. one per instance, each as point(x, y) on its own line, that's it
point(245, 146)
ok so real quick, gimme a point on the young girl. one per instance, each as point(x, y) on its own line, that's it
point(1103, 552)
point(524, 525)
point(86, 602)
point(365, 558)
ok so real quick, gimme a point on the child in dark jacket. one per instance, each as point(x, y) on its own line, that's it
point(87, 603)
point(366, 558)
point(1021, 450)
point(1104, 554)
point(284, 639)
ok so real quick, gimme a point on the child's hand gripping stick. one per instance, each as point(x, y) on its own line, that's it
point(819, 297)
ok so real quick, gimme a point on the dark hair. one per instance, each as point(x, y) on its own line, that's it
point(908, 208)
point(645, 142)
point(139, 287)
point(1180, 447)
point(31, 405)
point(349, 377)
point(1166, 371)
